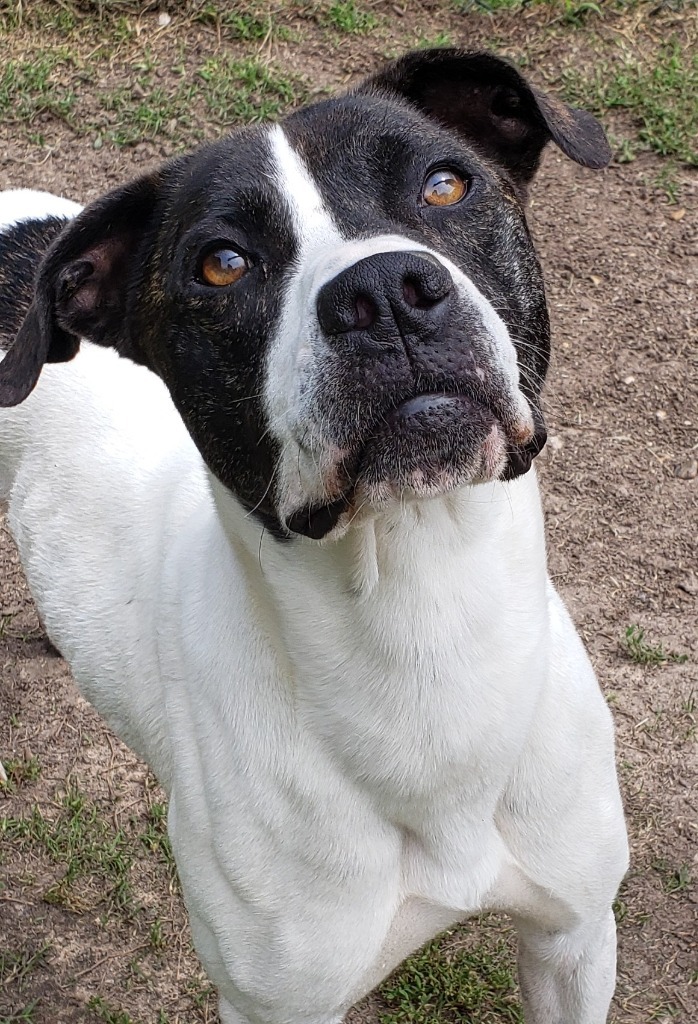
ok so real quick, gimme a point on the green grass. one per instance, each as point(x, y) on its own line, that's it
point(245, 90)
point(661, 95)
point(95, 854)
point(350, 17)
point(673, 879)
point(447, 983)
point(17, 965)
point(21, 771)
point(23, 1016)
point(32, 87)
point(108, 1013)
point(643, 652)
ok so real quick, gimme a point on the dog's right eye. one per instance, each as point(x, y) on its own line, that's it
point(222, 267)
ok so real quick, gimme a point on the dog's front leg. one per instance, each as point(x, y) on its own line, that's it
point(567, 977)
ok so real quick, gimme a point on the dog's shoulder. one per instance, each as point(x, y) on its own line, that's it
point(29, 222)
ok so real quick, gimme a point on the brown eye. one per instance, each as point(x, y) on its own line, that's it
point(444, 188)
point(223, 267)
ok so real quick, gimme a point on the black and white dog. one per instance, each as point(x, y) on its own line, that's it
point(264, 553)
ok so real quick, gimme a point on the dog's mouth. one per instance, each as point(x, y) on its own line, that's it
point(425, 446)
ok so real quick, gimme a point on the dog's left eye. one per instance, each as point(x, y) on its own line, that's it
point(223, 267)
point(444, 188)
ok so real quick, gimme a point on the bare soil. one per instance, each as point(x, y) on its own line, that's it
point(620, 485)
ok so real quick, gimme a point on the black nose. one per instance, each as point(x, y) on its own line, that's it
point(383, 298)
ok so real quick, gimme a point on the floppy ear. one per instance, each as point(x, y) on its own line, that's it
point(81, 288)
point(485, 99)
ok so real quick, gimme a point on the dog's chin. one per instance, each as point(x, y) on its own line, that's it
point(426, 447)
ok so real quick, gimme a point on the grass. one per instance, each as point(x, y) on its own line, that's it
point(21, 771)
point(29, 88)
point(108, 1013)
point(643, 652)
point(350, 17)
point(96, 856)
point(448, 982)
point(245, 90)
point(660, 94)
point(673, 879)
point(17, 965)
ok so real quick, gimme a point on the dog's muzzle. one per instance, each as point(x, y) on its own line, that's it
point(419, 393)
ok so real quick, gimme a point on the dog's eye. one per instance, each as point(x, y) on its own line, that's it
point(444, 188)
point(223, 267)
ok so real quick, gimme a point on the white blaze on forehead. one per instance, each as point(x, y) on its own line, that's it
point(313, 224)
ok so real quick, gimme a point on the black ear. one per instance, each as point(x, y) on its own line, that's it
point(81, 288)
point(485, 99)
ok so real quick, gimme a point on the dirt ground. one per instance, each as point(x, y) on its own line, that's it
point(620, 485)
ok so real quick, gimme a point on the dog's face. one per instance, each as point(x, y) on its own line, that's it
point(346, 308)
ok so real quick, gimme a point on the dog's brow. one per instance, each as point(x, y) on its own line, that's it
point(313, 223)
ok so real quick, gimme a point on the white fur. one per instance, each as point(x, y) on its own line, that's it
point(363, 741)
point(19, 204)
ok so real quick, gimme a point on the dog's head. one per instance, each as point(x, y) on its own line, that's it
point(347, 307)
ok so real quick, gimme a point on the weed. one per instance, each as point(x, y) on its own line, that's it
point(155, 935)
point(15, 966)
point(642, 652)
point(445, 982)
point(200, 991)
point(155, 837)
point(108, 1013)
point(20, 771)
point(23, 1016)
point(347, 16)
point(577, 12)
point(673, 879)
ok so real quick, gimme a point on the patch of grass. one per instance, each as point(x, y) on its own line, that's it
point(673, 879)
point(440, 39)
point(97, 857)
point(148, 114)
point(661, 96)
point(642, 652)
point(446, 983)
point(350, 17)
point(17, 965)
point(238, 23)
point(156, 839)
point(490, 6)
point(32, 87)
point(108, 1013)
point(23, 1016)
point(245, 90)
point(20, 771)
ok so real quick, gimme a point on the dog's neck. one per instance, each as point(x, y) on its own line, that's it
point(476, 547)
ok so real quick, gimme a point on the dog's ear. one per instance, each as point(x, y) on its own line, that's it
point(485, 99)
point(81, 288)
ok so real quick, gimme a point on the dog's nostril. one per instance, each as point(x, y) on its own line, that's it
point(366, 312)
point(418, 297)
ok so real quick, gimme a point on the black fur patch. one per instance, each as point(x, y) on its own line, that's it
point(22, 248)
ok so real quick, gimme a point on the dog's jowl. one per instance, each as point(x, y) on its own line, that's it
point(276, 506)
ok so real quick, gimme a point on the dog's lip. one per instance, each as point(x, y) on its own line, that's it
point(316, 521)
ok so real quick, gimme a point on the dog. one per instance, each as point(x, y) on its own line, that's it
point(269, 417)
